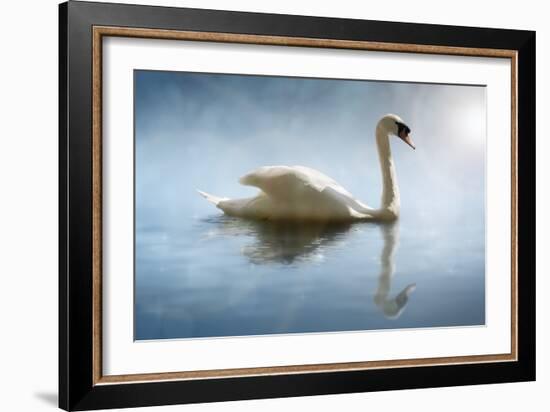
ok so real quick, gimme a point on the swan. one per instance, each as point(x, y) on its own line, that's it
point(302, 193)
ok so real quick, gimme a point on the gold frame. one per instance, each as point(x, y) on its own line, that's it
point(100, 31)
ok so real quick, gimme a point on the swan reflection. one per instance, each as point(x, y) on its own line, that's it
point(391, 307)
point(284, 242)
point(295, 242)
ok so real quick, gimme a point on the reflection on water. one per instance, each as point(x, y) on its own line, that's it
point(288, 242)
point(224, 276)
point(284, 242)
point(392, 308)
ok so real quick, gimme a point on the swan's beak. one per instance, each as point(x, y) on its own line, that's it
point(404, 135)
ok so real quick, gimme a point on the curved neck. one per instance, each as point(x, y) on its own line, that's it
point(390, 191)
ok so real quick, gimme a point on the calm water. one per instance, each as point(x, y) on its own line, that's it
point(222, 276)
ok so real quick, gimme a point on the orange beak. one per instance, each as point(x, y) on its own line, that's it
point(406, 138)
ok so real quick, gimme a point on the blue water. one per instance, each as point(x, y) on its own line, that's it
point(224, 276)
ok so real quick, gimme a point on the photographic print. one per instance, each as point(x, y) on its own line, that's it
point(279, 205)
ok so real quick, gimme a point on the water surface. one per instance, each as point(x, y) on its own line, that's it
point(224, 276)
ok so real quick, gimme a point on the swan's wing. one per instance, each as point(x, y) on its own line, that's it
point(285, 182)
point(320, 181)
point(355, 207)
point(332, 188)
point(280, 182)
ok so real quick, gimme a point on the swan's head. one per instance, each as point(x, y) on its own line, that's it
point(394, 125)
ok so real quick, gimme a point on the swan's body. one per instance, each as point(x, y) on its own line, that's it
point(302, 193)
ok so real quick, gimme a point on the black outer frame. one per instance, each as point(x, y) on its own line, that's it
point(76, 389)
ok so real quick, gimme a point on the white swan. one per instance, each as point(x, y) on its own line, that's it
point(302, 193)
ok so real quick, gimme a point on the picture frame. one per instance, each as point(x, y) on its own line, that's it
point(84, 26)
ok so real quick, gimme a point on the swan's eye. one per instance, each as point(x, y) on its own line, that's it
point(402, 127)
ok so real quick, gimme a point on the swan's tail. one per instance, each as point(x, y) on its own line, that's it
point(211, 198)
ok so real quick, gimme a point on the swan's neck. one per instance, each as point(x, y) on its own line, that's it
point(390, 191)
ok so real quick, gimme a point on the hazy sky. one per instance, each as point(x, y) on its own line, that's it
point(204, 131)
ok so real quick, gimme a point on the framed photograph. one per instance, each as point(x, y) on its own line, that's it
point(256, 205)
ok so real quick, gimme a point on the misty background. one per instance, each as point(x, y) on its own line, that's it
point(204, 131)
